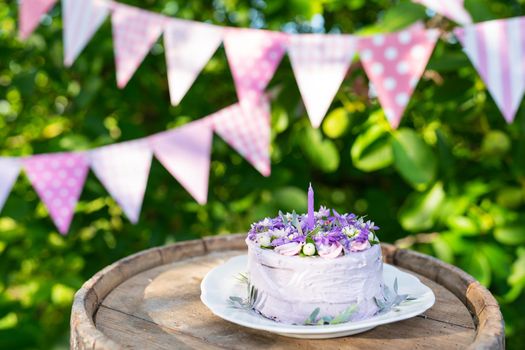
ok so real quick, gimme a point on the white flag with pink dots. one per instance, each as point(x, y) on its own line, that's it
point(186, 153)
point(123, 169)
point(9, 171)
point(246, 127)
point(320, 63)
point(134, 33)
point(253, 56)
point(58, 179)
point(394, 63)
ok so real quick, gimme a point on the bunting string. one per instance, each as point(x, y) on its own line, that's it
point(393, 62)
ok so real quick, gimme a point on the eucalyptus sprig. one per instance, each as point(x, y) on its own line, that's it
point(343, 317)
point(391, 299)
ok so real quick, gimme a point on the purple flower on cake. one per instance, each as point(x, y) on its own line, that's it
point(322, 213)
point(328, 236)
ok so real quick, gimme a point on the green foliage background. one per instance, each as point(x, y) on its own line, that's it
point(450, 182)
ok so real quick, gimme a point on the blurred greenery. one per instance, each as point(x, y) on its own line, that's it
point(449, 182)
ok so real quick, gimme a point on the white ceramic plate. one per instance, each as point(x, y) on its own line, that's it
point(221, 283)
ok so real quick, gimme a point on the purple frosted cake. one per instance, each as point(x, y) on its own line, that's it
point(316, 268)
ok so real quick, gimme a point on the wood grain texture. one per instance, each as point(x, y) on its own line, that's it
point(151, 300)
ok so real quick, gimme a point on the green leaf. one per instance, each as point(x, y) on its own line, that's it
point(345, 315)
point(420, 209)
point(463, 225)
point(313, 316)
point(397, 17)
point(290, 198)
point(372, 150)
point(480, 267)
point(513, 234)
point(443, 250)
point(336, 123)
point(517, 275)
point(414, 159)
point(322, 153)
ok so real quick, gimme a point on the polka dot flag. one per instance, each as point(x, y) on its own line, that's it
point(58, 178)
point(394, 63)
point(134, 33)
point(246, 127)
point(186, 153)
point(253, 56)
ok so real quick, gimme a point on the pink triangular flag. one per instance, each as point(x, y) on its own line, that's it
point(123, 169)
point(246, 127)
point(453, 9)
point(58, 179)
point(320, 63)
point(185, 152)
point(189, 46)
point(134, 33)
point(30, 13)
point(394, 63)
point(81, 20)
point(9, 170)
point(496, 49)
point(253, 56)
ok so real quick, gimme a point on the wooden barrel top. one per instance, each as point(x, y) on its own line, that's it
point(151, 300)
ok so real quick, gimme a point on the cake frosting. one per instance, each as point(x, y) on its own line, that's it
point(290, 288)
point(315, 268)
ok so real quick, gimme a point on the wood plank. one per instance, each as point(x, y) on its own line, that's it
point(167, 297)
point(214, 333)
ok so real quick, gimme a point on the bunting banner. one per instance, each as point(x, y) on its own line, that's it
point(189, 46)
point(186, 153)
point(253, 56)
point(394, 63)
point(453, 9)
point(497, 51)
point(81, 20)
point(320, 63)
point(58, 179)
point(123, 169)
point(30, 13)
point(246, 127)
point(9, 171)
point(134, 33)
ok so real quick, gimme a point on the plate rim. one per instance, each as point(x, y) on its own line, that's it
point(282, 328)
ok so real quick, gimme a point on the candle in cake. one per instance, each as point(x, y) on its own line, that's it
point(311, 218)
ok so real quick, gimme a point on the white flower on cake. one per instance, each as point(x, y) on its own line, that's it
point(350, 231)
point(309, 249)
point(264, 240)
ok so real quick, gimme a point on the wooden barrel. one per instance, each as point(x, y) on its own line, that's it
point(151, 300)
